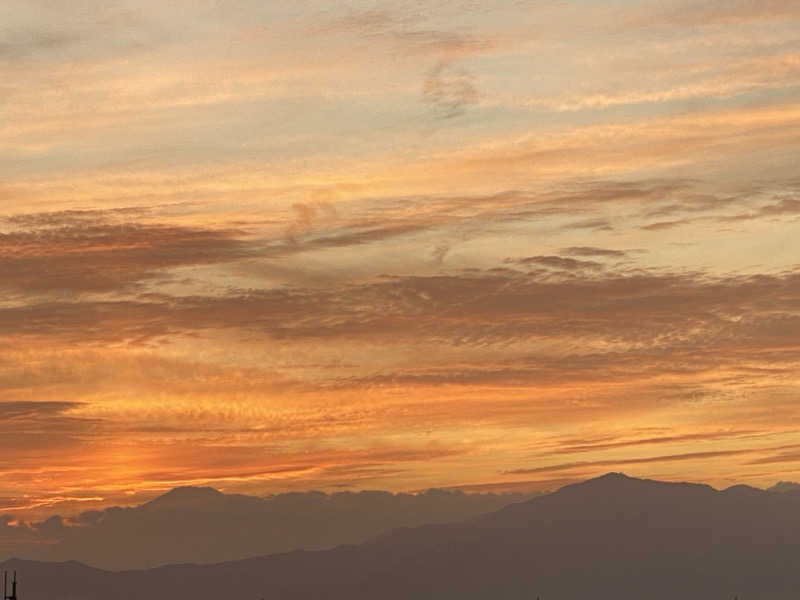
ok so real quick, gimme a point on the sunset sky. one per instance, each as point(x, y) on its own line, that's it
point(270, 246)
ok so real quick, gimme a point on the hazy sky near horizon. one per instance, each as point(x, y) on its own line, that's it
point(271, 246)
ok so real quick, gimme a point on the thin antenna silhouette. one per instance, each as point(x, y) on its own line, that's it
point(13, 595)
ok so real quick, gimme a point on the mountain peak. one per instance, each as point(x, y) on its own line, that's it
point(785, 486)
point(614, 476)
point(185, 495)
point(743, 490)
point(609, 480)
point(619, 485)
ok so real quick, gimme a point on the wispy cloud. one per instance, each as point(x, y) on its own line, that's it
point(408, 33)
point(105, 257)
point(592, 251)
point(449, 90)
point(631, 461)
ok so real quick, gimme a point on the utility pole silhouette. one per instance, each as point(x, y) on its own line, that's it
point(13, 595)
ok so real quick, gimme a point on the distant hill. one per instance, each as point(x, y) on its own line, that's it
point(611, 538)
point(203, 525)
point(785, 486)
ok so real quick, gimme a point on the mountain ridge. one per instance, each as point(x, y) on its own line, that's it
point(613, 537)
point(204, 525)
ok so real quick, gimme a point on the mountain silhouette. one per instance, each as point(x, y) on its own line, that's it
point(187, 497)
point(785, 486)
point(203, 525)
point(613, 537)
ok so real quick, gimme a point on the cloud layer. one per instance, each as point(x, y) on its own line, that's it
point(396, 245)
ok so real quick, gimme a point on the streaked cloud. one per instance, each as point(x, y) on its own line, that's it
point(106, 257)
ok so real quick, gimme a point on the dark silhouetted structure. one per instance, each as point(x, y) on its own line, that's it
point(6, 595)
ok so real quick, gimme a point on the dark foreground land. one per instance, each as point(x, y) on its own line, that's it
point(610, 538)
